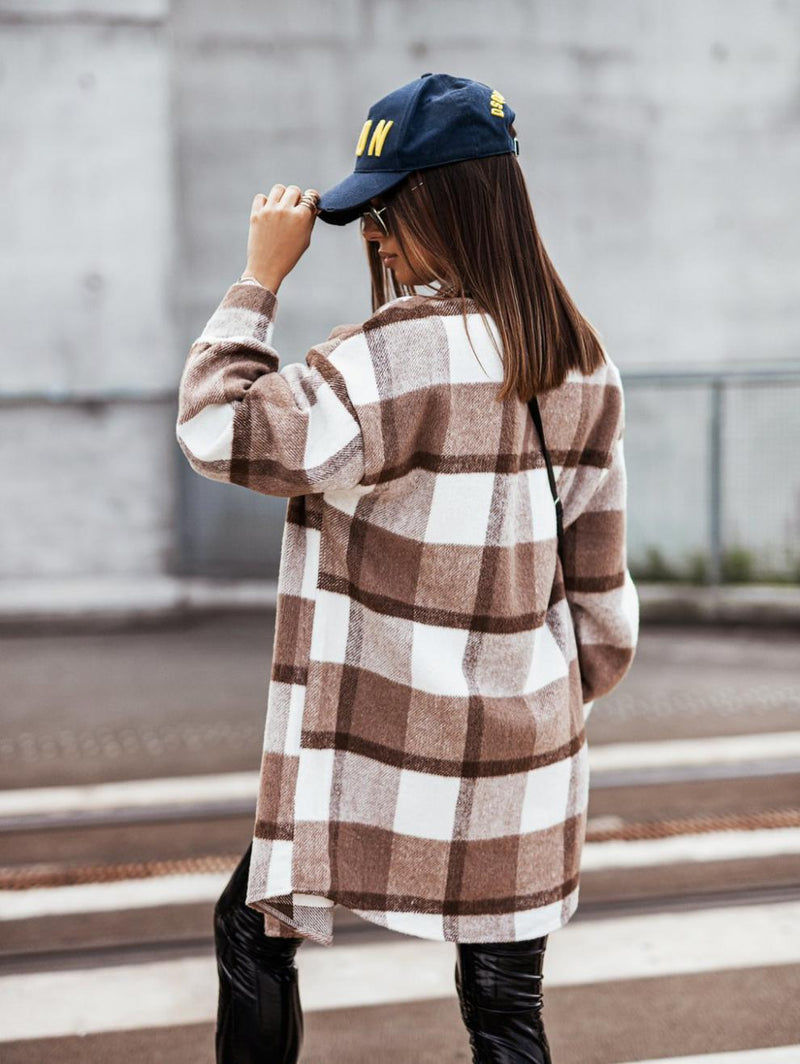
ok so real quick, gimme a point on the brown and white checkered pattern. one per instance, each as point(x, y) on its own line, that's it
point(424, 759)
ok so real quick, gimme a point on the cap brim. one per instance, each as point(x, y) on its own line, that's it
point(346, 201)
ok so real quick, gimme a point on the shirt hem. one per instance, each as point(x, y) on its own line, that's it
point(312, 918)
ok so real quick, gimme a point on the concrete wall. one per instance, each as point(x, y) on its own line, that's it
point(660, 142)
point(87, 258)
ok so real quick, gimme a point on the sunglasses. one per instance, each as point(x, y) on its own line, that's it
point(375, 214)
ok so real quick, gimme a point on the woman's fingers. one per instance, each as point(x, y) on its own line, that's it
point(294, 196)
point(286, 196)
point(283, 196)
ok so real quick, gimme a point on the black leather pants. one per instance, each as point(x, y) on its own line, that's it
point(499, 988)
point(260, 1019)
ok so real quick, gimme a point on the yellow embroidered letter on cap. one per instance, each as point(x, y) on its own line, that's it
point(379, 136)
point(377, 139)
point(362, 140)
point(496, 101)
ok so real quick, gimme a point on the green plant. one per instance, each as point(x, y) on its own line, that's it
point(654, 567)
point(737, 565)
point(697, 567)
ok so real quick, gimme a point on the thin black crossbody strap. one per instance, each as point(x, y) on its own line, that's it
point(533, 405)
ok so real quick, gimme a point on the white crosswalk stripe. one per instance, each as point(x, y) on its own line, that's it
point(727, 751)
point(773, 1055)
point(207, 886)
point(183, 991)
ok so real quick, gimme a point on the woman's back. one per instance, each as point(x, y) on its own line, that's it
point(433, 665)
point(459, 531)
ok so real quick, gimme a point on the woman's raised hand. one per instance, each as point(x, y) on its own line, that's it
point(280, 232)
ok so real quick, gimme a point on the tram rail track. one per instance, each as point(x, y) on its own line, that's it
point(73, 840)
point(192, 945)
point(38, 875)
point(122, 938)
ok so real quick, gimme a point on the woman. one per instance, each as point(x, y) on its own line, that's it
point(436, 656)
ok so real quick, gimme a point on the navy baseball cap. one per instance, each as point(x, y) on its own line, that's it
point(433, 120)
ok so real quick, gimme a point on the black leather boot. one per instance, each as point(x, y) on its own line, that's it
point(499, 988)
point(259, 1017)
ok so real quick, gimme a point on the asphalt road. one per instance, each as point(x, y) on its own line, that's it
point(686, 942)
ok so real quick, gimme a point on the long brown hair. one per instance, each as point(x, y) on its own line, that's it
point(473, 224)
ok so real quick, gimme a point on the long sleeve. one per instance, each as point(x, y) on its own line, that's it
point(602, 596)
point(244, 419)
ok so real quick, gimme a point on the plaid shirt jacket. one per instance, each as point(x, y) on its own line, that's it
point(424, 757)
